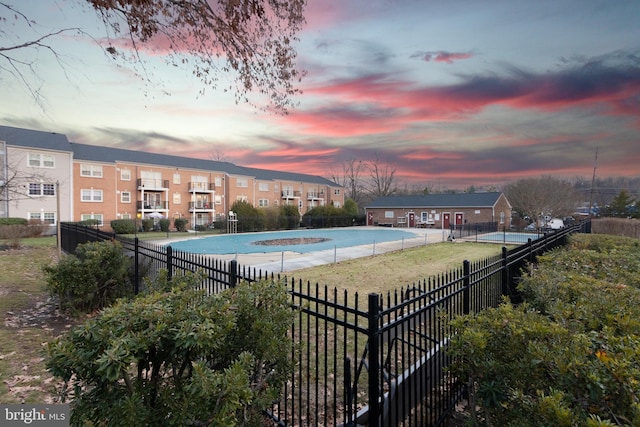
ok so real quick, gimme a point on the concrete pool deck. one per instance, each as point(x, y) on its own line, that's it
point(280, 262)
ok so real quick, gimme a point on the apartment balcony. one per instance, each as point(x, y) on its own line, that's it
point(290, 194)
point(201, 187)
point(201, 207)
point(152, 184)
point(314, 195)
point(151, 207)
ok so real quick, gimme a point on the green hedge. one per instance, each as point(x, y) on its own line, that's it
point(124, 226)
point(569, 355)
point(13, 221)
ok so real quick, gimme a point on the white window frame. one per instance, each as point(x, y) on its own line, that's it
point(263, 186)
point(177, 198)
point(41, 160)
point(242, 183)
point(263, 203)
point(336, 191)
point(177, 178)
point(48, 218)
point(94, 196)
point(40, 189)
point(89, 170)
point(389, 214)
point(125, 174)
point(125, 197)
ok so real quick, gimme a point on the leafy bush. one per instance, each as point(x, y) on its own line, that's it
point(147, 224)
point(90, 223)
point(568, 355)
point(164, 224)
point(93, 278)
point(123, 226)
point(177, 356)
point(13, 221)
point(180, 224)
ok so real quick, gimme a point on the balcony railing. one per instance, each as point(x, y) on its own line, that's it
point(290, 194)
point(148, 206)
point(149, 184)
point(314, 195)
point(201, 187)
point(200, 206)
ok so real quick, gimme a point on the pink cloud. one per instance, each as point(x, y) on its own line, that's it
point(442, 56)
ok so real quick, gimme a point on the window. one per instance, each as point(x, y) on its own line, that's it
point(388, 214)
point(242, 198)
point(177, 199)
point(217, 181)
point(93, 171)
point(38, 160)
point(85, 217)
point(125, 197)
point(336, 191)
point(125, 174)
point(217, 200)
point(49, 218)
point(91, 195)
point(501, 217)
point(263, 203)
point(263, 186)
point(176, 178)
point(126, 216)
point(45, 217)
point(36, 189)
point(242, 182)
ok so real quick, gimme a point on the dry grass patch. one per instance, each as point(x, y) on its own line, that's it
point(393, 270)
point(29, 321)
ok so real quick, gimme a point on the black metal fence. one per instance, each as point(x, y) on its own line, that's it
point(374, 360)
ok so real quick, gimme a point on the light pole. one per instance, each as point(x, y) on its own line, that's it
point(58, 234)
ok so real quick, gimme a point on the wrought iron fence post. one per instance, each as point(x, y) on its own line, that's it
point(467, 287)
point(505, 273)
point(233, 273)
point(136, 267)
point(169, 263)
point(374, 361)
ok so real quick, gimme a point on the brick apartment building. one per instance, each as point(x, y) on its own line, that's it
point(46, 177)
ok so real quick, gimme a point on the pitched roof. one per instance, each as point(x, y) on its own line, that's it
point(96, 153)
point(457, 200)
point(272, 175)
point(35, 139)
point(110, 155)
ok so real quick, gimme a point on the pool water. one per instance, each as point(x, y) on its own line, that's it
point(327, 238)
point(507, 237)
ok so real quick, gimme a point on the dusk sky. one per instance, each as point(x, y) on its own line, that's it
point(450, 93)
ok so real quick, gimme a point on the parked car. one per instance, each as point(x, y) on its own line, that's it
point(531, 227)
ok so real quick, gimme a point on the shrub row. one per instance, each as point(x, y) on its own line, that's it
point(569, 355)
point(176, 356)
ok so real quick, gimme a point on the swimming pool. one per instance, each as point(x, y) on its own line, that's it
point(291, 240)
point(507, 237)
